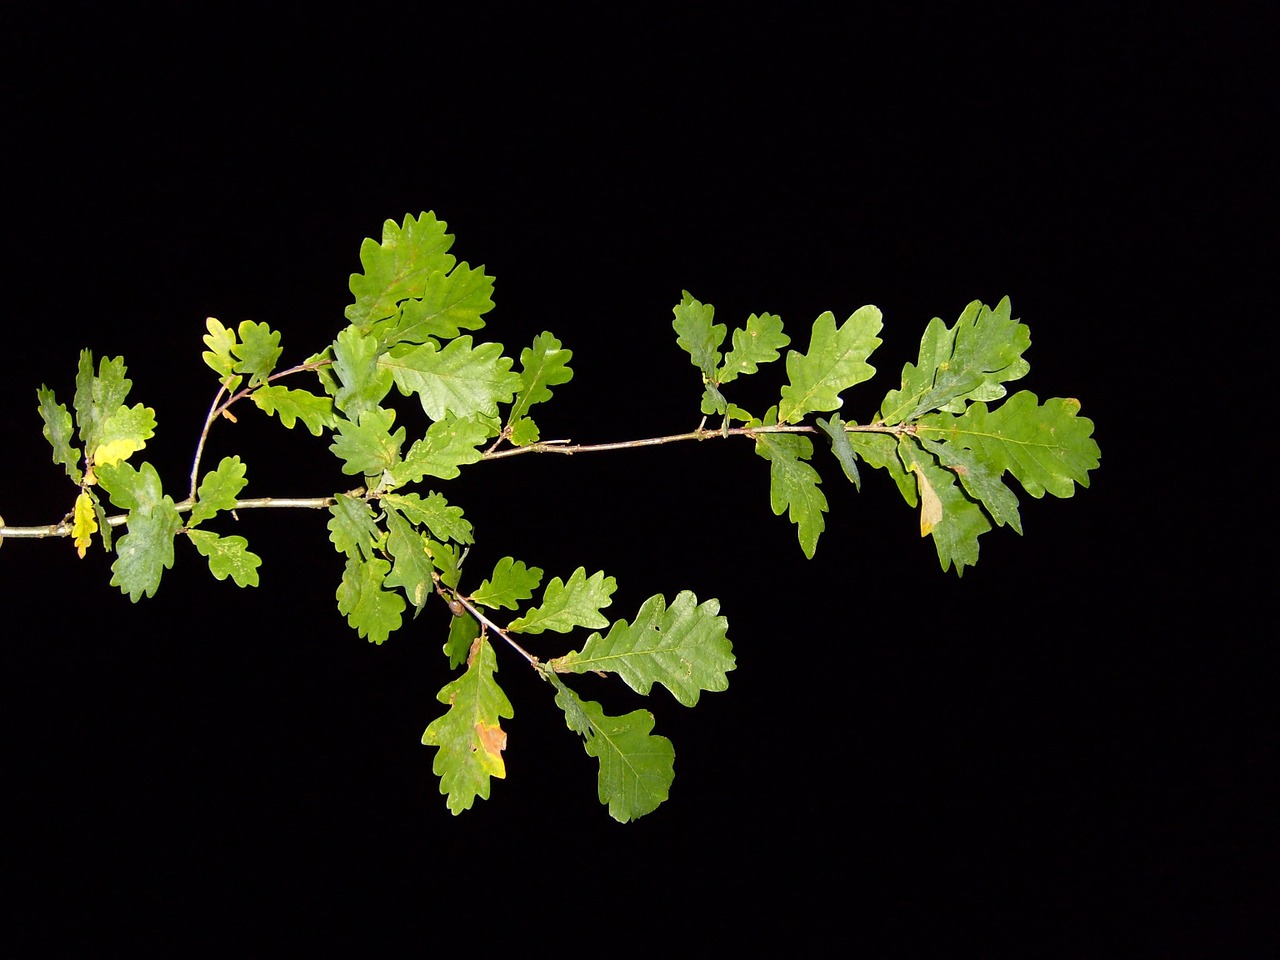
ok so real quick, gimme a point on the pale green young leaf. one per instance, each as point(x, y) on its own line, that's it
point(463, 631)
point(443, 520)
point(523, 432)
point(221, 341)
point(683, 647)
point(542, 366)
point(1047, 447)
point(842, 448)
point(567, 605)
point(124, 433)
point(294, 405)
point(837, 359)
point(398, 268)
point(793, 485)
point(758, 343)
point(370, 610)
point(351, 526)
point(369, 447)
point(697, 335)
point(636, 767)
point(98, 396)
point(510, 583)
point(257, 352)
point(357, 382)
point(469, 737)
point(227, 556)
point(968, 361)
point(953, 520)
point(218, 490)
point(460, 379)
point(449, 443)
point(59, 430)
point(413, 567)
point(447, 304)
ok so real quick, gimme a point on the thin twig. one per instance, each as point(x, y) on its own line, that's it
point(449, 592)
point(63, 529)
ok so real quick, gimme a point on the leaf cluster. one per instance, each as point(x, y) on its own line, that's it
point(948, 451)
point(947, 435)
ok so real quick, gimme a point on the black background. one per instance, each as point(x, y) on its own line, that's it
point(1071, 747)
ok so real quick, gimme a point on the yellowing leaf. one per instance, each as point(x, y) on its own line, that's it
point(930, 504)
point(85, 523)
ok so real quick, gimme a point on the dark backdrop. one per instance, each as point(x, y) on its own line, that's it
point(1073, 744)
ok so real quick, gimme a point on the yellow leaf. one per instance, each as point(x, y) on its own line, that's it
point(116, 450)
point(930, 505)
point(86, 522)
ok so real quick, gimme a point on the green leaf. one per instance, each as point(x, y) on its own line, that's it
point(104, 524)
point(98, 396)
point(698, 336)
point(793, 485)
point(398, 268)
point(361, 383)
point(542, 366)
point(124, 433)
point(568, 605)
point(683, 647)
point(953, 520)
point(510, 583)
point(351, 527)
point(444, 521)
point(449, 303)
point(713, 401)
point(636, 767)
point(842, 448)
point(146, 551)
point(59, 431)
point(448, 562)
point(978, 480)
point(880, 450)
point(469, 737)
point(413, 565)
point(134, 490)
point(836, 361)
point(462, 634)
point(449, 444)
point(758, 343)
point(1047, 447)
point(218, 490)
point(966, 362)
point(227, 556)
point(371, 611)
point(460, 379)
point(368, 448)
point(258, 350)
point(294, 405)
point(221, 341)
